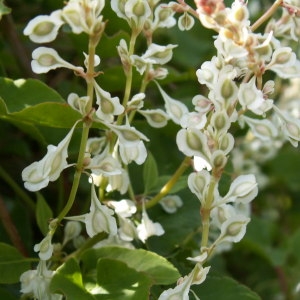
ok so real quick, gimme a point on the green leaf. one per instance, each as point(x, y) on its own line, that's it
point(12, 264)
point(49, 114)
point(121, 282)
point(43, 214)
point(156, 267)
point(5, 294)
point(150, 173)
point(20, 94)
point(68, 280)
point(225, 288)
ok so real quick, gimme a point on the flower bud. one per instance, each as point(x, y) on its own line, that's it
point(95, 145)
point(156, 118)
point(263, 129)
point(78, 103)
point(218, 159)
point(44, 29)
point(45, 248)
point(171, 203)
point(46, 59)
point(242, 189)
point(174, 108)
point(233, 229)
point(185, 22)
point(193, 142)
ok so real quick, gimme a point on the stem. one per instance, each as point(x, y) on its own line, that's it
point(205, 212)
point(85, 131)
point(11, 229)
point(172, 181)
point(128, 77)
point(268, 14)
point(16, 188)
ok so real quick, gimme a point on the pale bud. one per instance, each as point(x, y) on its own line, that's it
point(156, 118)
point(185, 22)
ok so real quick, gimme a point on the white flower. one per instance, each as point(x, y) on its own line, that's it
point(198, 183)
point(148, 228)
point(185, 22)
point(163, 17)
point(242, 189)
point(119, 182)
point(127, 231)
point(104, 164)
point(71, 231)
point(136, 152)
point(233, 229)
point(193, 142)
point(127, 134)
point(45, 248)
point(252, 98)
point(95, 145)
point(124, 208)
point(108, 106)
point(44, 29)
point(46, 59)
point(171, 203)
point(99, 219)
point(38, 174)
point(174, 108)
point(36, 283)
point(78, 103)
point(181, 291)
point(156, 118)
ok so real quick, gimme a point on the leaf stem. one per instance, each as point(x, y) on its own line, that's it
point(172, 181)
point(268, 14)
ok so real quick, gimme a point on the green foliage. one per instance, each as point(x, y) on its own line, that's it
point(12, 264)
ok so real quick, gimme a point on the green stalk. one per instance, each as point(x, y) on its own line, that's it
point(268, 14)
point(85, 131)
point(172, 181)
point(205, 212)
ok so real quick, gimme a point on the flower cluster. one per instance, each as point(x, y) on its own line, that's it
point(237, 95)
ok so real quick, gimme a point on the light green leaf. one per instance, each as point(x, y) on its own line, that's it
point(43, 213)
point(4, 10)
point(150, 173)
point(12, 264)
point(121, 282)
point(225, 288)
point(68, 280)
point(156, 267)
point(21, 93)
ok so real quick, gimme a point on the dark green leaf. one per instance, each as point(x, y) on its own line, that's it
point(225, 288)
point(121, 282)
point(12, 264)
point(68, 280)
point(4, 10)
point(43, 213)
point(21, 93)
point(157, 268)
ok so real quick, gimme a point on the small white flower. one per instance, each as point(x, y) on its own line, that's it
point(136, 152)
point(124, 208)
point(45, 248)
point(156, 118)
point(185, 22)
point(108, 106)
point(233, 229)
point(99, 219)
point(243, 189)
point(163, 17)
point(46, 59)
point(44, 29)
point(36, 283)
point(171, 203)
point(37, 175)
point(148, 228)
point(78, 103)
point(174, 108)
point(104, 164)
point(181, 291)
point(71, 231)
point(119, 182)
point(95, 145)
